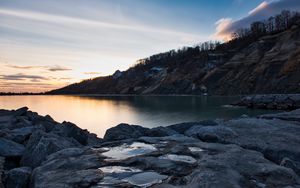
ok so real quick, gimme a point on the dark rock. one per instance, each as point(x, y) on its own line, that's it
point(125, 131)
point(18, 177)
point(286, 162)
point(21, 111)
point(182, 127)
point(20, 135)
point(67, 179)
point(42, 144)
point(288, 116)
point(271, 101)
point(211, 133)
point(275, 138)
point(71, 167)
point(160, 131)
point(71, 130)
point(9, 148)
point(2, 161)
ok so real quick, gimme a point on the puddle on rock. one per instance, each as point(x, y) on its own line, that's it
point(125, 151)
point(195, 149)
point(145, 179)
point(179, 158)
point(118, 169)
point(117, 175)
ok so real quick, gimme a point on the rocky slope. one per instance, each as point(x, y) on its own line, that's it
point(36, 151)
point(269, 64)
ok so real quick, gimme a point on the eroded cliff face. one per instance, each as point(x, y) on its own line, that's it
point(270, 65)
point(267, 65)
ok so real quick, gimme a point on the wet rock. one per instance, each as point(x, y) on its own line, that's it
point(179, 158)
point(145, 179)
point(42, 144)
point(124, 131)
point(18, 177)
point(125, 151)
point(9, 148)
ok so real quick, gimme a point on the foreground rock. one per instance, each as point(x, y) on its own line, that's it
point(274, 102)
point(245, 152)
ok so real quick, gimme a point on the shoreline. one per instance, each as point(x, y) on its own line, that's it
point(146, 95)
point(37, 151)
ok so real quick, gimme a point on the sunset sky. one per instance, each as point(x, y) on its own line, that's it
point(47, 44)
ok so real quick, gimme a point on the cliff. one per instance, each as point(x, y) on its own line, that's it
point(267, 64)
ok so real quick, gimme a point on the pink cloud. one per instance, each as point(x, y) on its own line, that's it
point(226, 26)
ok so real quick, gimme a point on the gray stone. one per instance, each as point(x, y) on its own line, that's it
point(182, 127)
point(20, 135)
point(124, 131)
point(211, 133)
point(275, 138)
point(67, 179)
point(68, 129)
point(18, 177)
point(71, 167)
point(42, 144)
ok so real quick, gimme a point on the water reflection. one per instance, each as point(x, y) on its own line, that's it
point(98, 113)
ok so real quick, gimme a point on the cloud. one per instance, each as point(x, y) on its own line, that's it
point(92, 73)
point(23, 67)
point(67, 20)
point(58, 68)
point(49, 68)
point(21, 76)
point(225, 26)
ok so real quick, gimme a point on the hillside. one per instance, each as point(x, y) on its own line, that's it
point(253, 64)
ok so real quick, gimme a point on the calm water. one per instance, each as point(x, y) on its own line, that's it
point(97, 114)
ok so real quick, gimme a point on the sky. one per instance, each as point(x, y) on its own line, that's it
point(47, 44)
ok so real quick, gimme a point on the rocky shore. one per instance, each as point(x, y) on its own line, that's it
point(36, 151)
point(271, 101)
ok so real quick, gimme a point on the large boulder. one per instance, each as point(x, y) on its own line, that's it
point(68, 129)
point(42, 144)
point(18, 177)
point(20, 135)
point(71, 167)
point(211, 133)
point(275, 138)
point(124, 131)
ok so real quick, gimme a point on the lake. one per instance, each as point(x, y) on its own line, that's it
point(99, 113)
